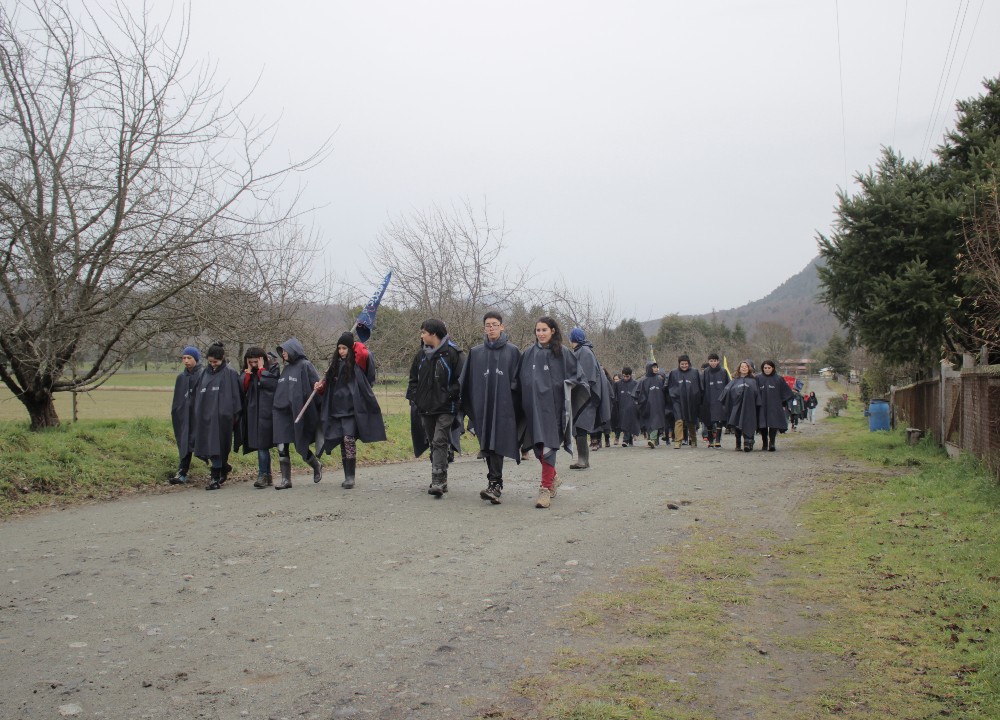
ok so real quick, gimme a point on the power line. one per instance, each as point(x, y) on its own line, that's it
point(843, 113)
point(949, 59)
point(961, 68)
point(899, 81)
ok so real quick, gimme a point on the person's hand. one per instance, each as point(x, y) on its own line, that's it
point(318, 385)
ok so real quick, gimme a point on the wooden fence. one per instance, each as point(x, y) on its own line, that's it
point(959, 409)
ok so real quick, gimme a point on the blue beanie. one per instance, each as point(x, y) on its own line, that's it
point(576, 335)
point(193, 352)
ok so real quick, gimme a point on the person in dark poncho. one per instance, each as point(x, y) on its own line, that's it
point(551, 387)
point(652, 400)
point(182, 411)
point(350, 410)
point(489, 384)
point(774, 395)
point(217, 408)
point(608, 411)
point(684, 388)
point(260, 378)
point(714, 379)
point(295, 385)
point(593, 416)
point(628, 410)
point(740, 402)
point(434, 391)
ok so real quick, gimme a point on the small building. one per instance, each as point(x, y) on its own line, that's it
point(797, 366)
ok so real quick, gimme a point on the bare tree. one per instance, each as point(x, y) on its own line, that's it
point(447, 263)
point(774, 341)
point(980, 263)
point(127, 184)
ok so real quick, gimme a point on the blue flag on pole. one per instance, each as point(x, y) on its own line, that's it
point(366, 320)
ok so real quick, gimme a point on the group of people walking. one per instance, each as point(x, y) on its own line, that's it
point(515, 403)
point(278, 401)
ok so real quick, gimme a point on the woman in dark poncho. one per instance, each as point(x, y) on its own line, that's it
point(546, 369)
point(774, 394)
point(350, 410)
point(740, 401)
point(217, 407)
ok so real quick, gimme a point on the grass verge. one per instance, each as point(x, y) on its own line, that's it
point(885, 605)
point(102, 459)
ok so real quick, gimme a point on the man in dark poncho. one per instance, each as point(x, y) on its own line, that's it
point(594, 415)
point(628, 410)
point(488, 399)
point(714, 379)
point(295, 386)
point(217, 408)
point(651, 399)
point(260, 378)
point(435, 391)
point(182, 411)
point(684, 388)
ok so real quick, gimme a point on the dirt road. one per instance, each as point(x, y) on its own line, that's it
point(320, 602)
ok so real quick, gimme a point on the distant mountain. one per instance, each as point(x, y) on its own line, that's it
point(793, 303)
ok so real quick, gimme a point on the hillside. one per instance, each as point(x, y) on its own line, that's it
point(793, 303)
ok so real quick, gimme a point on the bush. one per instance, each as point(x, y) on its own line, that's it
point(834, 405)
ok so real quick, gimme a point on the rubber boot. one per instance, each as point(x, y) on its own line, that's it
point(317, 467)
point(285, 464)
point(216, 479)
point(349, 466)
point(583, 454)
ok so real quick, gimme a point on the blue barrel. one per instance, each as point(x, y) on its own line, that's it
point(878, 415)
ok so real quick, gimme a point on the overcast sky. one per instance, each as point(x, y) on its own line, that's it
point(681, 156)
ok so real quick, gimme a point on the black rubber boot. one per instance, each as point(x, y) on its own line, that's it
point(317, 467)
point(583, 454)
point(286, 473)
point(349, 467)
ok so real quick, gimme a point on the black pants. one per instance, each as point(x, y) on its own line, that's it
point(494, 467)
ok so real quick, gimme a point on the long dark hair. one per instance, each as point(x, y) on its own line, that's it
point(333, 372)
point(555, 345)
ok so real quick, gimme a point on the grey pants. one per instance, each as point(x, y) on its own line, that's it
point(437, 428)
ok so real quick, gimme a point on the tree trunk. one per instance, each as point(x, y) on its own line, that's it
point(41, 409)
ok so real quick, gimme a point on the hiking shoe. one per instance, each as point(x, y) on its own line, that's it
point(214, 485)
point(651, 444)
point(437, 489)
point(263, 481)
point(544, 498)
point(179, 479)
point(492, 493)
point(677, 446)
point(556, 482)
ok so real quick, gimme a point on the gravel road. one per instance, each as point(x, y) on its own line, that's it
point(320, 602)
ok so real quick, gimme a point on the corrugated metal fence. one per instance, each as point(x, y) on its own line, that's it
point(960, 409)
